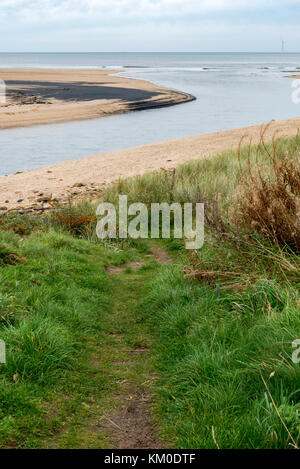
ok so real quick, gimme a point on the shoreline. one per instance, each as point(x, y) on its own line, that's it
point(44, 96)
point(36, 189)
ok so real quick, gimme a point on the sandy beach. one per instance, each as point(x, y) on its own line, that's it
point(77, 178)
point(42, 96)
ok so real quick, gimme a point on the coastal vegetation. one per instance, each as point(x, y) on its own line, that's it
point(208, 334)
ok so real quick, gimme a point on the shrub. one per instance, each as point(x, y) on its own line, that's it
point(78, 220)
point(22, 225)
point(268, 199)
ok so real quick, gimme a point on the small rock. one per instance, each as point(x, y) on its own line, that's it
point(45, 198)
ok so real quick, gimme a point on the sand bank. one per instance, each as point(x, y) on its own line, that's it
point(86, 176)
point(41, 96)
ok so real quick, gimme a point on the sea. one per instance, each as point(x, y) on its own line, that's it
point(232, 90)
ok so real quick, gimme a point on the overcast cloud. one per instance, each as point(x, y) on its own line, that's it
point(146, 25)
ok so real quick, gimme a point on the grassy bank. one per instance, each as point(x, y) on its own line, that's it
point(224, 357)
point(217, 325)
point(69, 330)
point(226, 316)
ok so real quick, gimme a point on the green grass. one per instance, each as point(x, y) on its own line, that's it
point(223, 344)
point(68, 328)
point(211, 176)
point(213, 348)
point(219, 325)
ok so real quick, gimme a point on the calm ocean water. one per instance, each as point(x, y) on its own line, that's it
point(232, 90)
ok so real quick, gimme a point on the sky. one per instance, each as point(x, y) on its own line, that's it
point(149, 25)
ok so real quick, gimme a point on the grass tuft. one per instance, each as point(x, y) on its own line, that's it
point(38, 350)
point(268, 199)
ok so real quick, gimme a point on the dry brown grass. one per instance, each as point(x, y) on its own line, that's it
point(258, 229)
point(78, 220)
point(22, 225)
point(268, 197)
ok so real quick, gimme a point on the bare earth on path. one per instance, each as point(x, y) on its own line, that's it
point(85, 176)
point(118, 409)
point(131, 426)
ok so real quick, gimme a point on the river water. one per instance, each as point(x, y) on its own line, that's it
point(232, 90)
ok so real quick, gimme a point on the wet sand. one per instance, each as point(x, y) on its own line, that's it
point(42, 96)
point(86, 176)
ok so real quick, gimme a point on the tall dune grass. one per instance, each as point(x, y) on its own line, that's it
point(268, 198)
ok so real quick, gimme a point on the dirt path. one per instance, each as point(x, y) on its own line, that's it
point(120, 368)
point(130, 425)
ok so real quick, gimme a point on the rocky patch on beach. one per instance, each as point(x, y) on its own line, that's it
point(39, 202)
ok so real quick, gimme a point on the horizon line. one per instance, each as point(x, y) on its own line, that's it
point(152, 52)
